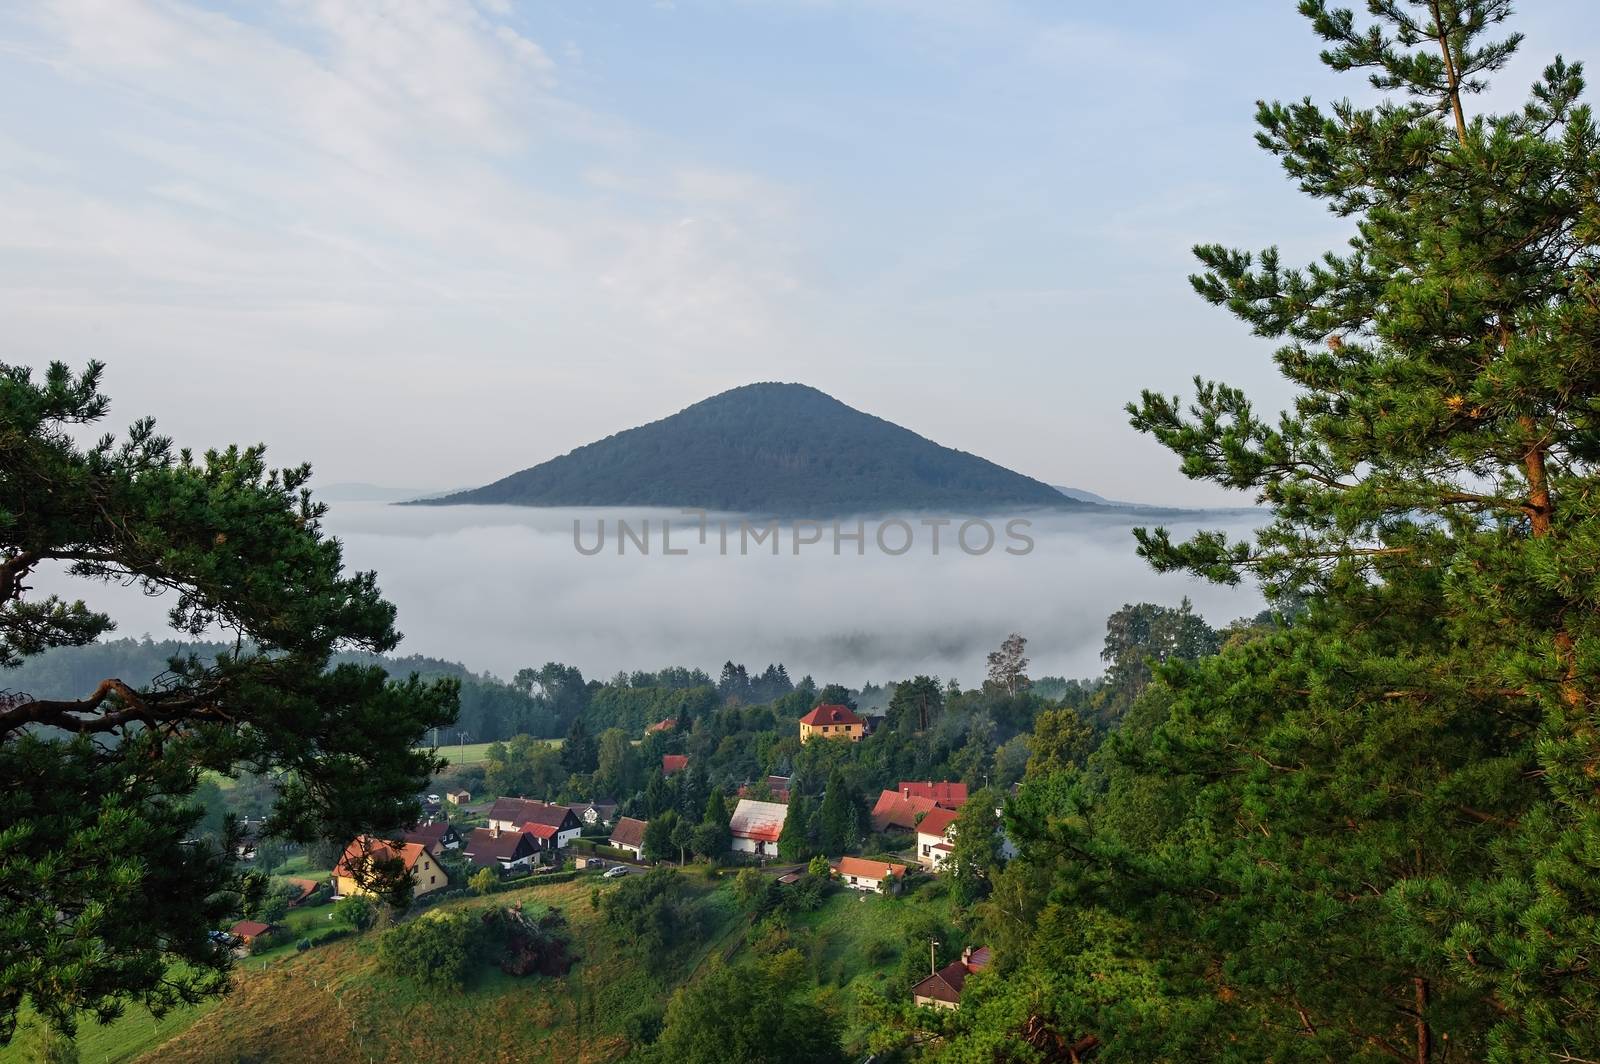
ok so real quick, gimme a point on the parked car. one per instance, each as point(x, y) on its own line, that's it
point(614, 873)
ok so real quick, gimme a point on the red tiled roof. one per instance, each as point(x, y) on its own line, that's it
point(831, 714)
point(936, 823)
point(306, 887)
point(862, 868)
point(898, 811)
point(671, 763)
point(949, 795)
point(662, 725)
point(541, 831)
point(249, 929)
point(366, 848)
point(628, 832)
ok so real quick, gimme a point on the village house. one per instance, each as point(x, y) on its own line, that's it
point(629, 835)
point(598, 813)
point(832, 722)
point(436, 838)
point(756, 826)
point(245, 932)
point(306, 887)
point(934, 834)
point(895, 811)
point(506, 851)
point(250, 834)
point(777, 788)
point(459, 796)
point(859, 873)
point(662, 725)
point(899, 809)
point(515, 814)
point(356, 863)
point(671, 763)
point(942, 989)
point(948, 794)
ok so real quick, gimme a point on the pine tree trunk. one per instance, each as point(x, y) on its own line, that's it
point(1419, 988)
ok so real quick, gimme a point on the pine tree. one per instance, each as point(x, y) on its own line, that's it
point(838, 817)
point(793, 842)
point(106, 897)
point(1370, 833)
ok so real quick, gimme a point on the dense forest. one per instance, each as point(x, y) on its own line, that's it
point(770, 449)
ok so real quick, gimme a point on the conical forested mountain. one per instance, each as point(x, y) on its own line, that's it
point(770, 448)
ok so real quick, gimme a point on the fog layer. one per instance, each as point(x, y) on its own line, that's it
point(498, 588)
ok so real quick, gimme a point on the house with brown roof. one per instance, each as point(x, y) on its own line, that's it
point(629, 835)
point(436, 838)
point(942, 989)
point(832, 722)
point(935, 832)
point(671, 763)
point(951, 795)
point(458, 796)
point(777, 788)
point(356, 866)
point(662, 725)
point(861, 873)
point(511, 814)
point(505, 851)
point(755, 826)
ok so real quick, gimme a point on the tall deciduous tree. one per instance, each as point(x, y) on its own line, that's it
point(1008, 666)
point(104, 897)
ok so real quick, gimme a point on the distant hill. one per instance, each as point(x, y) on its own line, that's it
point(770, 448)
point(1084, 496)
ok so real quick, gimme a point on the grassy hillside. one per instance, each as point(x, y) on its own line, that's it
point(333, 1001)
point(856, 941)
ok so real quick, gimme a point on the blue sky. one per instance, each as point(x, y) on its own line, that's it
point(425, 244)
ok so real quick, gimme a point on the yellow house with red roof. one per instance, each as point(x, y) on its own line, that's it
point(832, 722)
point(426, 875)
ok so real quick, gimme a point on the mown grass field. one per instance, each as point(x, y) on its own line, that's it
point(471, 753)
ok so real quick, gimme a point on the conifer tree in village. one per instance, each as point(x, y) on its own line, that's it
point(1371, 832)
point(107, 893)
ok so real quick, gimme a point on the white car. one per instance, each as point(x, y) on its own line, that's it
point(615, 872)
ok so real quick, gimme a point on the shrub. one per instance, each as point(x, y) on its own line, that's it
point(881, 952)
point(355, 911)
point(436, 949)
point(483, 881)
point(643, 1027)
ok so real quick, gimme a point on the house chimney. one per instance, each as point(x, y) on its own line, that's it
point(494, 830)
point(966, 956)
